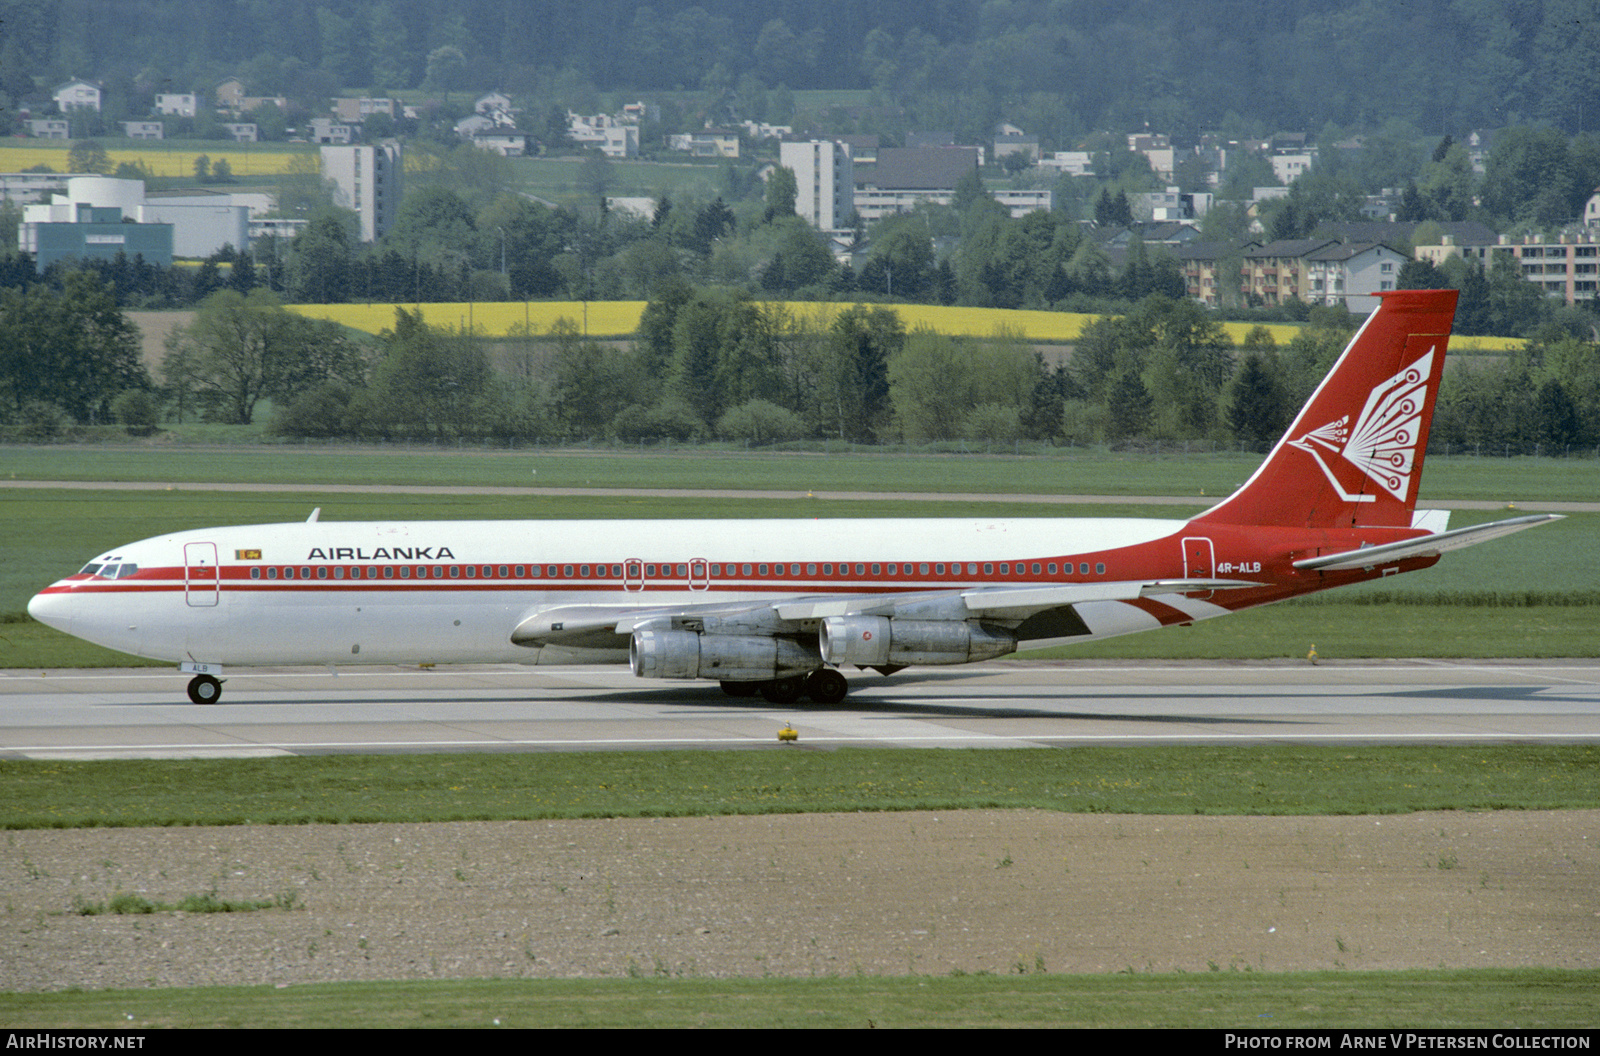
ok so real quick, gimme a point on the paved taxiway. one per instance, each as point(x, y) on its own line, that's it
point(142, 713)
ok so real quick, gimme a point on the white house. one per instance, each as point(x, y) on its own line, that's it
point(1350, 272)
point(77, 95)
point(50, 128)
point(173, 104)
point(327, 130)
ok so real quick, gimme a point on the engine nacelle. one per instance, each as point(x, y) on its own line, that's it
point(878, 641)
point(727, 658)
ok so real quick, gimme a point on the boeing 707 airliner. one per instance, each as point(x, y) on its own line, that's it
point(781, 607)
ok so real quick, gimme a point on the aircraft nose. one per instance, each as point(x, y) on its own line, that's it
point(53, 609)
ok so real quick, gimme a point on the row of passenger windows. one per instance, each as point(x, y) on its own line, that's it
point(1005, 568)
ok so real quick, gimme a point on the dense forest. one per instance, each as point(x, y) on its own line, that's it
point(1061, 68)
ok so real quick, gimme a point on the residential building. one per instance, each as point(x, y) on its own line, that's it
point(1157, 150)
point(1319, 271)
point(177, 104)
point(613, 137)
point(230, 96)
point(824, 176)
point(50, 128)
point(368, 180)
point(863, 148)
point(243, 131)
point(282, 228)
point(492, 103)
point(355, 110)
point(1210, 270)
point(1012, 140)
point(1169, 205)
point(1350, 273)
point(759, 130)
point(1568, 267)
point(1275, 272)
point(144, 129)
point(327, 130)
point(637, 113)
point(96, 219)
point(905, 176)
point(28, 187)
point(1591, 209)
point(77, 95)
point(504, 142)
point(1069, 162)
point(707, 143)
point(1021, 203)
point(1288, 167)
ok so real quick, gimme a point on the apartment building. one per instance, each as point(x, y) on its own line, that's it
point(824, 174)
point(1566, 267)
point(366, 179)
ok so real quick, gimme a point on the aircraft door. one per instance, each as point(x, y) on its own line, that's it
point(200, 574)
point(699, 574)
point(633, 574)
point(1199, 560)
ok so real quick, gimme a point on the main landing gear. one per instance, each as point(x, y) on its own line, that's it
point(823, 686)
point(204, 689)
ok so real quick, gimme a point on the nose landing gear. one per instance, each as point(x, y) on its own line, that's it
point(205, 689)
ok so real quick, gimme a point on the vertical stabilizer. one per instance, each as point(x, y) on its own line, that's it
point(1354, 453)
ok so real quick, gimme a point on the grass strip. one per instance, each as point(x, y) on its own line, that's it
point(1486, 998)
point(128, 904)
point(1081, 471)
point(343, 789)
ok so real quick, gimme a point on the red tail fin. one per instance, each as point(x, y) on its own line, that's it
point(1354, 454)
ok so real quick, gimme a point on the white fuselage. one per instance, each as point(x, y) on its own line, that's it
point(453, 591)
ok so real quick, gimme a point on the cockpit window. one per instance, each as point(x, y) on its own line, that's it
point(109, 570)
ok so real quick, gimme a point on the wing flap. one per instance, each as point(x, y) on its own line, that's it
point(1423, 546)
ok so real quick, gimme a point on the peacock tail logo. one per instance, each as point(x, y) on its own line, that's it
point(1383, 441)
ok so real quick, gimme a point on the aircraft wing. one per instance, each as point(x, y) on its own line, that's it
point(1423, 546)
point(609, 626)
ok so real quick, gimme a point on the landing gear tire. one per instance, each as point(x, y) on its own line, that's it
point(826, 686)
point(203, 689)
point(783, 690)
point(741, 689)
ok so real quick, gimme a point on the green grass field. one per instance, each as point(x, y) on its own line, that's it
point(356, 789)
point(1551, 1000)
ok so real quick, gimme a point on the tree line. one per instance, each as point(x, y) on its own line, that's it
point(962, 64)
point(712, 363)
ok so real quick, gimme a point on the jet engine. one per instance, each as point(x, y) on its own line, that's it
point(875, 641)
point(728, 658)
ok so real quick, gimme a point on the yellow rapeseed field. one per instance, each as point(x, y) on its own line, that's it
point(174, 158)
point(621, 318)
point(613, 319)
point(491, 318)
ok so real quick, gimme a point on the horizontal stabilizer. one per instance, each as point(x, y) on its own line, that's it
point(1425, 546)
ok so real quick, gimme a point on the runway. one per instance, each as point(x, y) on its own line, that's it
point(142, 713)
